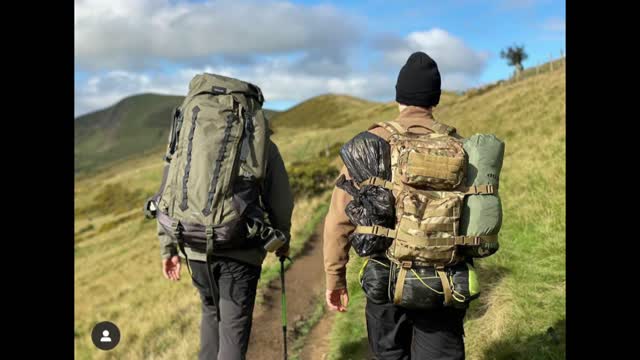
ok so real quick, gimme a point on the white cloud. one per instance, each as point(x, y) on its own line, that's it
point(284, 78)
point(103, 90)
point(459, 64)
point(136, 33)
point(292, 51)
point(275, 78)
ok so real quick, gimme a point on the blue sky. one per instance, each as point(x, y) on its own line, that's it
point(295, 50)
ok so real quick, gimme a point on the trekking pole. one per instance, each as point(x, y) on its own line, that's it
point(284, 305)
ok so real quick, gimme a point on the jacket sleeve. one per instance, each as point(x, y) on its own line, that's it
point(337, 229)
point(168, 247)
point(277, 196)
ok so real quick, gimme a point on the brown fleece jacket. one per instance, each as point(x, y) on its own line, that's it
point(337, 226)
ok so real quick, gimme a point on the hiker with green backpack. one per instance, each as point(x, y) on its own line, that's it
point(420, 202)
point(224, 202)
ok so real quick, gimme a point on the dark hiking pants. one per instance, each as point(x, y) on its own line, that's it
point(228, 337)
point(396, 333)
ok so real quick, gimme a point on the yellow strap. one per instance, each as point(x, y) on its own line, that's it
point(374, 260)
point(402, 274)
point(375, 230)
point(361, 272)
point(424, 283)
point(377, 182)
point(480, 189)
point(446, 286)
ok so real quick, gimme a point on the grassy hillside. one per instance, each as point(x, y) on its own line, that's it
point(135, 125)
point(132, 126)
point(117, 267)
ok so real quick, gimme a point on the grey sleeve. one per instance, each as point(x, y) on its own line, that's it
point(277, 195)
point(168, 247)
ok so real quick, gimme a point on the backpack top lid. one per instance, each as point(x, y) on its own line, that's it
point(218, 84)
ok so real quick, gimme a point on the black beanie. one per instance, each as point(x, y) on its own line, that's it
point(419, 81)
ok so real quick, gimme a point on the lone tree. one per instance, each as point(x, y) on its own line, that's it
point(515, 56)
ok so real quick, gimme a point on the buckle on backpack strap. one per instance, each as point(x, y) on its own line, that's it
point(209, 232)
point(477, 240)
point(368, 181)
point(406, 264)
point(175, 228)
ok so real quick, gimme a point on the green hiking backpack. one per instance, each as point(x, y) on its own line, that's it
point(215, 165)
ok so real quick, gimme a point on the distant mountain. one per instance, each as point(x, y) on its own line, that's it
point(135, 125)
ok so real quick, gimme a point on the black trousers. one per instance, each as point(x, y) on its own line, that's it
point(227, 337)
point(396, 333)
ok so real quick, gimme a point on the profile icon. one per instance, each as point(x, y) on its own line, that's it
point(105, 335)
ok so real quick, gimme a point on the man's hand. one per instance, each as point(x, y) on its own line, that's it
point(337, 299)
point(171, 268)
point(283, 250)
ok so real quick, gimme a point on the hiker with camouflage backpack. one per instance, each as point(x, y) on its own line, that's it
point(224, 202)
point(420, 202)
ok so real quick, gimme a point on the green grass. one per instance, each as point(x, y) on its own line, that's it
point(323, 111)
point(348, 338)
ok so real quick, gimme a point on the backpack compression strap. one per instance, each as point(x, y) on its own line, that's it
point(446, 285)
point(469, 190)
point(443, 241)
point(402, 275)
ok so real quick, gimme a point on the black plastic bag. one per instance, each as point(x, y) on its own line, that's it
point(374, 279)
point(365, 156)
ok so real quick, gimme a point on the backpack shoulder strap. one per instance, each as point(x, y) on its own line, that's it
point(441, 128)
point(391, 126)
point(433, 125)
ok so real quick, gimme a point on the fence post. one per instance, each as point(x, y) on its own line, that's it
point(551, 62)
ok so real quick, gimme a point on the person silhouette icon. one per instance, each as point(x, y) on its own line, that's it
point(105, 336)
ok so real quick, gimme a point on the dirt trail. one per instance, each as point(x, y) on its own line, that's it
point(316, 345)
point(305, 283)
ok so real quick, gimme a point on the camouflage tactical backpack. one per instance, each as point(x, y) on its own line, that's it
point(429, 185)
point(215, 165)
